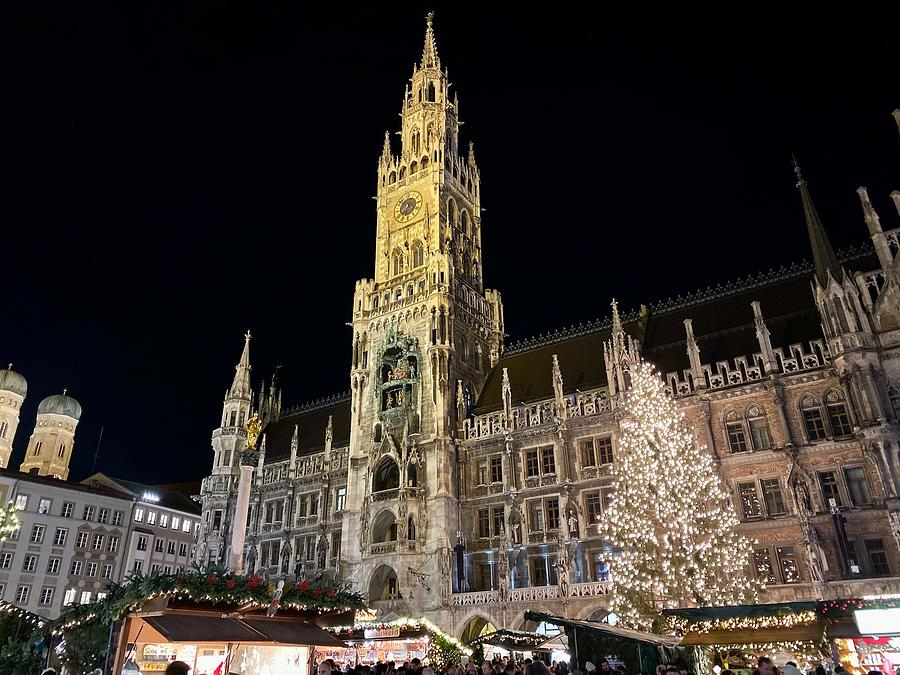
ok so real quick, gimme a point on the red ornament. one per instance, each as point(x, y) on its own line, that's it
point(253, 582)
point(303, 586)
point(212, 579)
point(229, 584)
point(276, 602)
point(317, 593)
point(331, 594)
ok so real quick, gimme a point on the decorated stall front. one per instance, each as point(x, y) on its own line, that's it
point(734, 637)
point(399, 641)
point(594, 641)
point(865, 632)
point(215, 621)
point(513, 643)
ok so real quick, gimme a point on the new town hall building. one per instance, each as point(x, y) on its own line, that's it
point(463, 480)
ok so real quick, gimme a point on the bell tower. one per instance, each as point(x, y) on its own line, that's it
point(425, 333)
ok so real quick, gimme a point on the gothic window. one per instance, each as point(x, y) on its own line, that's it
point(386, 475)
point(759, 428)
point(830, 491)
point(812, 418)
point(384, 528)
point(412, 475)
point(432, 93)
point(415, 149)
point(414, 167)
point(605, 450)
point(464, 222)
point(397, 261)
point(588, 458)
point(463, 349)
point(425, 162)
point(418, 254)
point(411, 528)
point(787, 562)
point(409, 290)
point(762, 564)
point(496, 469)
point(837, 414)
point(750, 504)
point(878, 560)
point(402, 172)
point(392, 178)
point(858, 486)
point(737, 441)
point(399, 294)
point(451, 212)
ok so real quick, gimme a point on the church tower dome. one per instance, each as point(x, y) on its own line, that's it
point(13, 389)
point(50, 446)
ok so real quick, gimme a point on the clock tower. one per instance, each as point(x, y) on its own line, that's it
point(425, 335)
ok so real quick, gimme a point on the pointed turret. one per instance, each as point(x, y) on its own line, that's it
point(295, 444)
point(240, 388)
point(386, 149)
point(558, 396)
point(429, 54)
point(824, 258)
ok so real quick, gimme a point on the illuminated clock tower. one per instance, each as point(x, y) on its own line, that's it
point(425, 335)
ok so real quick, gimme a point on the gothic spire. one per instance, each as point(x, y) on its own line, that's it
point(240, 388)
point(429, 55)
point(386, 150)
point(824, 259)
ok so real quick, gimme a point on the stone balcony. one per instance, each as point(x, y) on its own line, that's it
point(591, 589)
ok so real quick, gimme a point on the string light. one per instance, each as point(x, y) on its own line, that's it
point(670, 519)
point(743, 622)
point(9, 521)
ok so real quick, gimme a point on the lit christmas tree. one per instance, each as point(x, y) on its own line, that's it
point(670, 516)
point(9, 521)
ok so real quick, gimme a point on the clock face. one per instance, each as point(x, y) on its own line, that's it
point(407, 207)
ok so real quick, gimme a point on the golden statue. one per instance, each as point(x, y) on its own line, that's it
point(254, 426)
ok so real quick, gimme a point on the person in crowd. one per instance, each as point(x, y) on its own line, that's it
point(537, 668)
point(178, 668)
point(765, 666)
point(589, 667)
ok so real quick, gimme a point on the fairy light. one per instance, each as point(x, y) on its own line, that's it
point(9, 521)
point(744, 622)
point(671, 521)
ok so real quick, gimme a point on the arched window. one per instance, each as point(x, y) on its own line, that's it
point(384, 528)
point(409, 290)
point(812, 418)
point(431, 92)
point(418, 254)
point(759, 428)
point(402, 172)
point(414, 167)
point(386, 475)
point(412, 475)
point(464, 222)
point(415, 147)
point(452, 213)
point(411, 528)
point(734, 427)
point(392, 178)
point(425, 162)
point(397, 261)
point(399, 294)
point(837, 414)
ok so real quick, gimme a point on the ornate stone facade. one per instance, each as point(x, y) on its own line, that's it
point(463, 480)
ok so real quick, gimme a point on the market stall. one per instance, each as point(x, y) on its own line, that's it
point(594, 641)
point(513, 643)
point(734, 637)
point(865, 632)
point(212, 641)
point(214, 620)
point(398, 641)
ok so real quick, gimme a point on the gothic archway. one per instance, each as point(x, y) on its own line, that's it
point(384, 584)
point(386, 475)
point(476, 627)
point(384, 527)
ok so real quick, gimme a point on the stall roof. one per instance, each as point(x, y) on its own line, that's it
point(215, 628)
point(514, 640)
point(741, 611)
point(292, 632)
point(606, 629)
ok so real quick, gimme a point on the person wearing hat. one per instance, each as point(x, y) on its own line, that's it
point(589, 667)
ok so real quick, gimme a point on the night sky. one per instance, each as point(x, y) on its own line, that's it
point(179, 173)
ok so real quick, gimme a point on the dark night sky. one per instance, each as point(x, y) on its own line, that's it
point(175, 175)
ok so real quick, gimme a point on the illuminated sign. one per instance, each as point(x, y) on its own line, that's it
point(878, 621)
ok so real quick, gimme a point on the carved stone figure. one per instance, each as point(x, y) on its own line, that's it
point(562, 571)
point(503, 575)
point(322, 551)
point(446, 576)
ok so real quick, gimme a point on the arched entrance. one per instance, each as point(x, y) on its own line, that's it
point(384, 584)
point(386, 475)
point(476, 627)
point(384, 527)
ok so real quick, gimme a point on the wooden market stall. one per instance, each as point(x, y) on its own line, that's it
point(218, 639)
point(504, 642)
point(594, 641)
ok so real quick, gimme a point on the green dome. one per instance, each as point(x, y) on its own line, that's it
point(10, 380)
point(60, 404)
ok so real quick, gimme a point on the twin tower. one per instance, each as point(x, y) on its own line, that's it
point(50, 446)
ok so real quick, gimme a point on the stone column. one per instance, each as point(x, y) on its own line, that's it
point(241, 509)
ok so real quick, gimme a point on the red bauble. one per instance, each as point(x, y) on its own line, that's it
point(303, 586)
point(212, 579)
point(317, 593)
point(331, 594)
point(229, 584)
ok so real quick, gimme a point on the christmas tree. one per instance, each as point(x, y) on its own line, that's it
point(670, 520)
point(8, 521)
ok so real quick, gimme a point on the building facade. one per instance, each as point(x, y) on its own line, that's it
point(162, 528)
point(463, 480)
point(70, 543)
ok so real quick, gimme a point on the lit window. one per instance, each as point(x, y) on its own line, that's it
point(97, 543)
point(82, 540)
point(107, 571)
point(85, 597)
point(151, 517)
point(67, 509)
point(88, 513)
point(21, 502)
point(103, 516)
point(112, 545)
point(30, 563)
point(75, 569)
point(46, 596)
point(139, 515)
point(163, 519)
point(44, 506)
point(176, 522)
point(69, 597)
point(186, 524)
point(790, 572)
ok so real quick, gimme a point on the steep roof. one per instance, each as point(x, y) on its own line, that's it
point(311, 421)
point(165, 497)
point(722, 321)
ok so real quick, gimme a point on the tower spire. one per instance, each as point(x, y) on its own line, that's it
point(240, 388)
point(429, 55)
point(386, 150)
point(824, 258)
